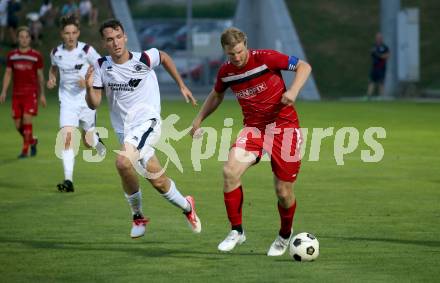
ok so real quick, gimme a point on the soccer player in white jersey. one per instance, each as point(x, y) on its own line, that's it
point(72, 59)
point(132, 90)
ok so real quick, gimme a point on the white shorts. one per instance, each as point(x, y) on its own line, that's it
point(143, 137)
point(77, 116)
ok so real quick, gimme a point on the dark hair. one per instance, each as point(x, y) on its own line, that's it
point(69, 20)
point(110, 23)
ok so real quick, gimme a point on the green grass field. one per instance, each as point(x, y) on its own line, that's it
point(375, 221)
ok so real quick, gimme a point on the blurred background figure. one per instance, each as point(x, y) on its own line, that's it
point(3, 18)
point(35, 27)
point(12, 9)
point(69, 9)
point(47, 13)
point(88, 12)
point(379, 55)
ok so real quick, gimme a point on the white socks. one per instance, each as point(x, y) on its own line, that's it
point(68, 162)
point(173, 196)
point(99, 146)
point(135, 202)
point(95, 139)
point(176, 198)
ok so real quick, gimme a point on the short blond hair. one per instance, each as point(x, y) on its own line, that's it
point(23, 28)
point(233, 36)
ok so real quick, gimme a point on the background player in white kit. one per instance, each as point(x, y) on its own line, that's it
point(132, 90)
point(71, 59)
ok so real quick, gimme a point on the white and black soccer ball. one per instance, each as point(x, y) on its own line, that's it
point(304, 247)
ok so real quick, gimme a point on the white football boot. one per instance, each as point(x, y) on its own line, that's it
point(138, 227)
point(234, 238)
point(191, 217)
point(279, 246)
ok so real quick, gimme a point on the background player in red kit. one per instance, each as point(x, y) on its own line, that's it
point(25, 66)
point(271, 125)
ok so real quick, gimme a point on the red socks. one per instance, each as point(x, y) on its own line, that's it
point(286, 216)
point(234, 203)
point(27, 137)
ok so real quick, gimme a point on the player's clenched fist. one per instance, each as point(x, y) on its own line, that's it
point(51, 83)
point(288, 98)
point(196, 132)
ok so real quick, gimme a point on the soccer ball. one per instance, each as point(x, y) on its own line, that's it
point(304, 247)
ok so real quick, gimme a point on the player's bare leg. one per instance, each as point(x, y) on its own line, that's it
point(370, 89)
point(24, 127)
point(124, 165)
point(130, 184)
point(91, 139)
point(19, 126)
point(27, 129)
point(167, 188)
point(381, 89)
point(286, 209)
point(68, 157)
point(239, 160)
point(284, 193)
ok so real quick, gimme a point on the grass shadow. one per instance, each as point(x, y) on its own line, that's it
point(434, 244)
point(146, 248)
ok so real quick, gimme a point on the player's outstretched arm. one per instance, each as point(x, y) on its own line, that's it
point(211, 103)
point(303, 70)
point(6, 81)
point(52, 78)
point(93, 96)
point(170, 67)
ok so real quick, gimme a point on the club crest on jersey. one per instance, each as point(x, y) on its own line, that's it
point(252, 91)
point(139, 68)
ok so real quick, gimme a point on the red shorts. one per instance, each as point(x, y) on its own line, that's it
point(24, 104)
point(282, 143)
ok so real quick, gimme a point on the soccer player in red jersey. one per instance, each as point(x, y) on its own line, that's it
point(25, 67)
point(270, 125)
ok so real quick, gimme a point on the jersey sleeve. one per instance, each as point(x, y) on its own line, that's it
point(52, 58)
point(151, 58)
point(97, 76)
point(40, 62)
point(9, 61)
point(279, 61)
point(220, 86)
point(92, 55)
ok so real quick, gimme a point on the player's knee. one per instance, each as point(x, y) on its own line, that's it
point(123, 163)
point(67, 140)
point(283, 191)
point(229, 172)
point(283, 194)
